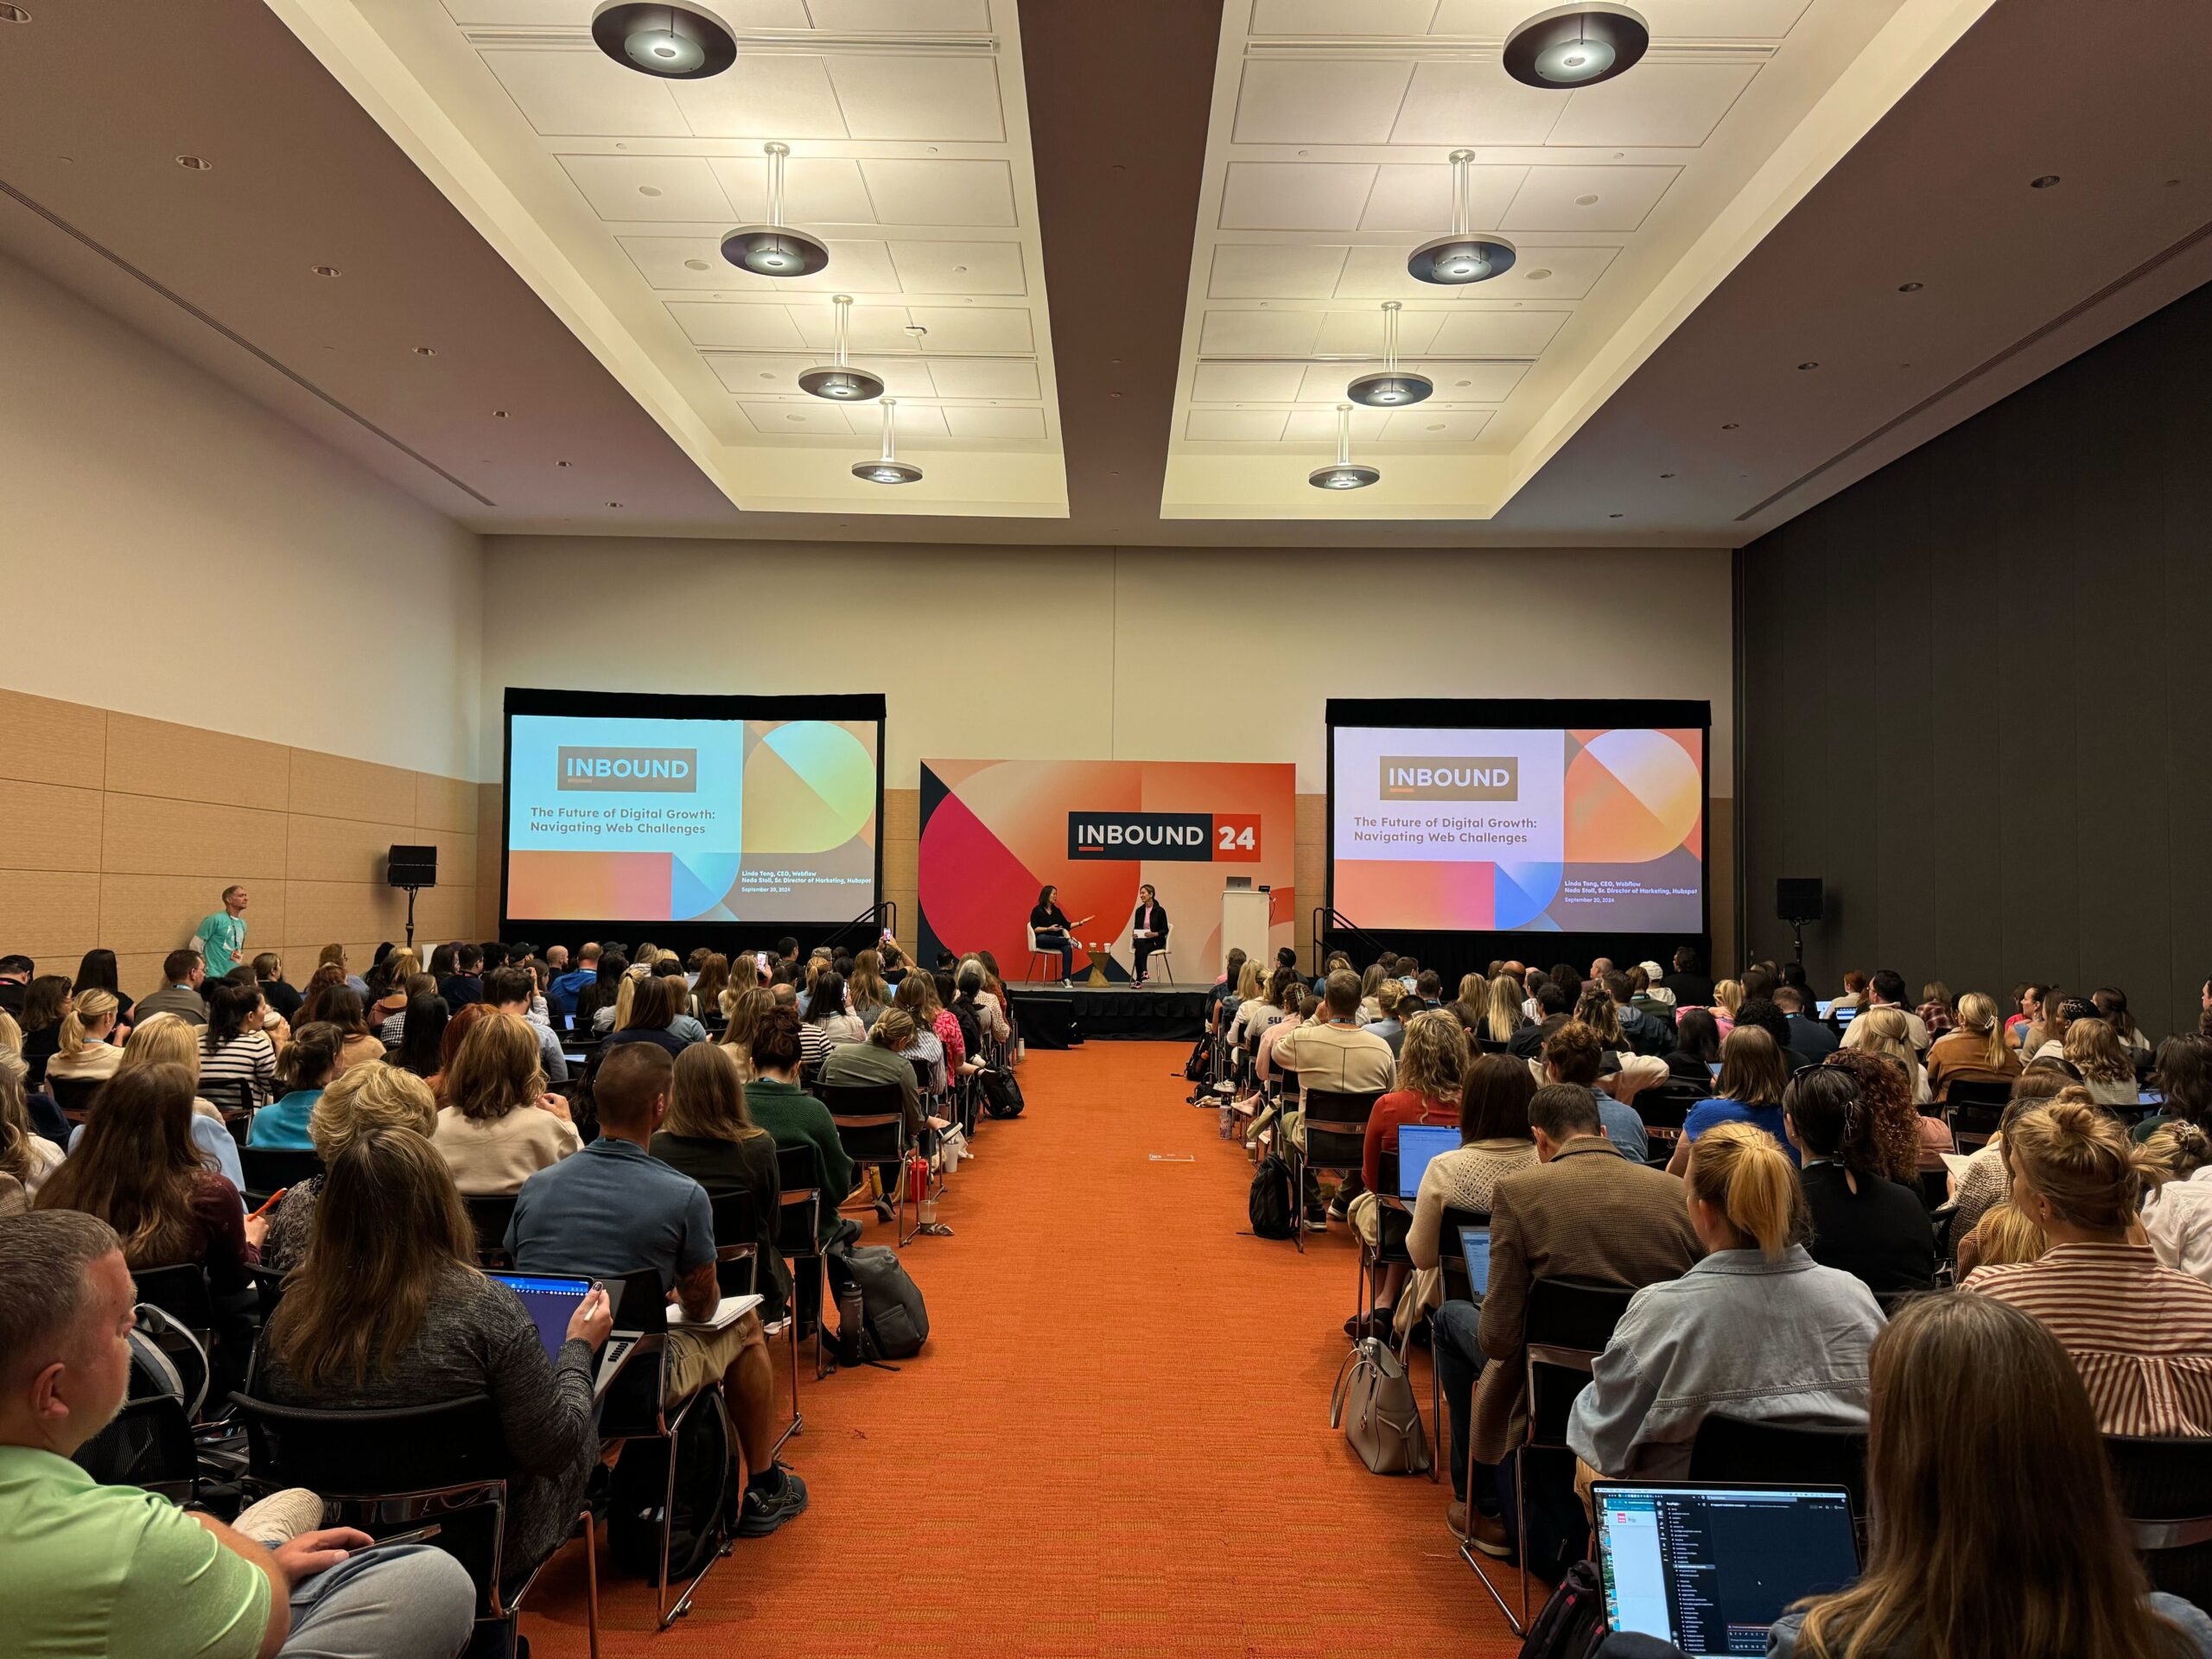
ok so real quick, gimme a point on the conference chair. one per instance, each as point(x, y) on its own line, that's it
point(490, 1214)
point(1974, 1111)
point(270, 1170)
point(1729, 1449)
point(737, 1227)
point(1159, 966)
point(798, 1235)
point(1458, 1288)
point(1566, 1326)
point(1050, 958)
point(1336, 1143)
point(148, 1444)
point(1393, 1221)
point(1665, 1110)
point(871, 1119)
point(74, 1096)
point(2166, 1490)
point(233, 1098)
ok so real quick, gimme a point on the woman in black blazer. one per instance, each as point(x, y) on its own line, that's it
point(1147, 927)
point(1050, 923)
point(1874, 1229)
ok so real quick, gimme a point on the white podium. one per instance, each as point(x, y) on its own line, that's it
point(1244, 923)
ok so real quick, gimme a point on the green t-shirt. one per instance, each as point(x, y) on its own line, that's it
point(221, 940)
point(97, 1570)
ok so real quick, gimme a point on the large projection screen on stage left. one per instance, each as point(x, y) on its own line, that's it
point(625, 807)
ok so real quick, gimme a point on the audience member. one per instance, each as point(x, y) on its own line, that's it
point(1727, 997)
point(1883, 1031)
point(655, 1015)
point(613, 1209)
point(2139, 1332)
point(918, 994)
point(283, 1000)
point(333, 955)
point(794, 1118)
point(1973, 1050)
point(1645, 1033)
point(1391, 1008)
point(885, 1057)
point(1885, 989)
point(827, 1015)
point(2183, 1076)
point(421, 1044)
point(1936, 1010)
point(182, 972)
point(354, 1103)
point(96, 971)
point(86, 1049)
point(2111, 1004)
point(709, 1136)
point(1586, 1212)
point(1431, 1068)
point(1697, 1048)
point(14, 980)
point(165, 1039)
point(303, 1071)
point(27, 1158)
point(1335, 1054)
point(567, 983)
point(1502, 1018)
point(2177, 1211)
point(340, 1005)
point(1904, 1140)
point(1756, 1330)
point(1571, 1056)
point(388, 1309)
point(1995, 1532)
point(2093, 1049)
point(510, 991)
point(497, 1125)
point(1873, 1228)
point(46, 1004)
point(2046, 1039)
point(1688, 981)
point(1753, 1078)
point(462, 983)
point(1812, 1038)
point(238, 1061)
point(1986, 1179)
point(95, 1570)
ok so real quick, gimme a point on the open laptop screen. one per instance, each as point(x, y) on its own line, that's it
point(549, 1301)
point(1710, 1567)
point(1417, 1144)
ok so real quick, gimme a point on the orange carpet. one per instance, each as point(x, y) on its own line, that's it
point(1115, 1442)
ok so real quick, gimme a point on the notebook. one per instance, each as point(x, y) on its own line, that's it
point(1710, 1566)
point(1417, 1144)
point(550, 1302)
point(1474, 1244)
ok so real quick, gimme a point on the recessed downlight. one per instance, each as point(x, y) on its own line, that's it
point(1538, 274)
point(1576, 46)
point(501, 415)
point(1802, 367)
point(324, 270)
point(1730, 426)
point(9, 13)
point(195, 163)
point(686, 42)
point(564, 463)
point(1910, 288)
point(696, 264)
point(426, 351)
point(2044, 183)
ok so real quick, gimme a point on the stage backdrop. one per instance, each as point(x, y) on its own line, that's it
point(994, 832)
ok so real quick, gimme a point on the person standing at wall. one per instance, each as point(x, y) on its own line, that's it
point(220, 939)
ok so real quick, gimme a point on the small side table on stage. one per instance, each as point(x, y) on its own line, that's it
point(1099, 958)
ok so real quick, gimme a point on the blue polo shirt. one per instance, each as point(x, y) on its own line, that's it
point(561, 994)
point(610, 1211)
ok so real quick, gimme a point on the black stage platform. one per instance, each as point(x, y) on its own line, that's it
point(1053, 1018)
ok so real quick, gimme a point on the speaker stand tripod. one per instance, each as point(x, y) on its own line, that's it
point(411, 891)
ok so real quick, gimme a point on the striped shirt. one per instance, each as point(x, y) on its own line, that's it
point(249, 1057)
point(2139, 1333)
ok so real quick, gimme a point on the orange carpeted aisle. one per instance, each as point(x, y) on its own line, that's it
point(1116, 1441)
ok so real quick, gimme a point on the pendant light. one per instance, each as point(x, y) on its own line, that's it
point(775, 249)
point(1346, 475)
point(1576, 46)
point(1395, 388)
point(1461, 257)
point(840, 382)
point(887, 469)
point(684, 42)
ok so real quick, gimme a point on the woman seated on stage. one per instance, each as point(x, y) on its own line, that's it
point(1050, 926)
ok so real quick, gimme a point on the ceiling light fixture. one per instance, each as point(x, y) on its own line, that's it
point(887, 469)
point(775, 249)
point(1394, 388)
point(684, 42)
point(840, 382)
point(1346, 474)
point(2044, 183)
point(1461, 257)
point(13, 14)
point(1910, 288)
point(324, 270)
point(195, 163)
point(1576, 46)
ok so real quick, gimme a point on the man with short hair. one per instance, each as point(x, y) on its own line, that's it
point(466, 983)
point(94, 1570)
point(1600, 967)
point(1886, 991)
point(508, 990)
point(557, 960)
point(613, 1209)
point(1335, 1054)
point(1692, 986)
point(15, 982)
point(1808, 1038)
point(566, 983)
point(1651, 993)
point(221, 937)
point(1763, 1013)
point(1645, 1034)
point(1429, 991)
point(182, 974)
point(787, 948)
point(1572, 1055)
point(1528, 1043)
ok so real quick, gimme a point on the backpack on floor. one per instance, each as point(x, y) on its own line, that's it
point(1269, 1205)
point(1572, 1625)
point(638, 1493)
point(1199, 1067)
point(894, 1320)
point(1003, 1094)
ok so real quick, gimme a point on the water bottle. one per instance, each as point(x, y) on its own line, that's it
point(848, 1322)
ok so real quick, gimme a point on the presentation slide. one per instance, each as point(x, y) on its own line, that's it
point(1489, 830)
point(641, 819)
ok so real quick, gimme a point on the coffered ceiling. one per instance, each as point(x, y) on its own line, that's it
point(1327, 163)
point(609, 192)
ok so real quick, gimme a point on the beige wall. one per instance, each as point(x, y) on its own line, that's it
point(170, 549)
point(1104, 654)
point(124, 831)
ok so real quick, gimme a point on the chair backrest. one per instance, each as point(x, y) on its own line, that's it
point(148, 1444)
point(1336, 1128)
point(74, 1094)
point(871, 1119)
point(267, 1169)
point(367, 1453)
point(1966, 1091)
point(1566, 1327)
point(1729, 1449)
point(181, 1292)
point(922, 1072)
point(2166, 1489)
point(798, 1180)
point(489, 1212)
point(737, 1229)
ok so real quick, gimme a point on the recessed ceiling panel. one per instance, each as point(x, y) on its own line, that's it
point(903, 130)
point(1328, 163)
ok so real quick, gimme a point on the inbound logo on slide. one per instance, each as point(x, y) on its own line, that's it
point(1174, 837)
point(674, 771)
point(1450, 777)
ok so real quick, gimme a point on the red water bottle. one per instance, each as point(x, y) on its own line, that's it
point(917, 1178)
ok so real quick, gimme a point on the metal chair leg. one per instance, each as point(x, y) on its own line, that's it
point(591, 1580)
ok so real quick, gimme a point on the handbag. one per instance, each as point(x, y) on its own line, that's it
point(1373, 1403)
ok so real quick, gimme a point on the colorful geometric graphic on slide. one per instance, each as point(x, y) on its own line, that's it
point(993, 832)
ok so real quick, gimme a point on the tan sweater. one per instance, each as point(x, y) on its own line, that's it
point(1460, 1181)
point(495, 1156)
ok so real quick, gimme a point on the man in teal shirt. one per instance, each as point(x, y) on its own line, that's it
point(221, 939)
point(95, 1571)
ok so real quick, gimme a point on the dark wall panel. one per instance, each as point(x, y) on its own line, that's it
point(1975, 692)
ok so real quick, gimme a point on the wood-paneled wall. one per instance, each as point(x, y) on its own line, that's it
point(123, 831)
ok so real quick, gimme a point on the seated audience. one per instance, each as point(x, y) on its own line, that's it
point(1883, 1031)
point(1336, 1053)
point(742, 1011)
point(462, 982)
point(355, 1102)
point(393, 988)
point(99, 1570)
point(333, 955)
point(238, 1061)
point(421, 1044)
point(1885, 991)
point(96, 971)
point(1987, 1178)
point(655, 1015)
point(1727, 997)
point(1812, 1038)
point(2183, 1076)
point(510, 991)
point(2046, 1039)
point(1688, 983)
point(2110, 1003)
point(1936, 1010)
point(1431, 1068)
point(27, 1158)
point(86, 1049)
point(389, 1309)
point(1389, 1022)
point(2006, 1233)
point(1974, 1050)
point(1645, 1033)
point(1975, 1553)
point(918, 994)
point(1873, 1228)
point(1696, 1050)
point(283, 1000)
point(1571, 1056)
point(340, 1005)
point(1265, 1069)
point(707, 989)
point(2093, 1049)
point(1907, 1141)
point(794, 1118)
point(165, 1039)
point(497, 1126)
point(970, 986)
point(1752, 1078)
point(709, 1136)
point(613, 1209)
point(303, 1071)
point(826, 1013)
point(865, 990)
point(1757, 1331)
point(182, 974)
point(1585, 1212)
point(46, 1002)
point(2177, 1211)
point(1502, 1018)
point(2139, 1332)
point(885, 1057)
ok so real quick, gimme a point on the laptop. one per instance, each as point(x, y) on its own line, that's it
point(1822, 1007)
point(549, 1301)
point(1417, 1144)
point(2150, 1097)
point(1844, 1016)
point(1474, 1244)
point(1714, 1067)
point(1710, 1566)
